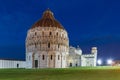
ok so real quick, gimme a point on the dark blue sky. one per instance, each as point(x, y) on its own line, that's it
point(88, 22)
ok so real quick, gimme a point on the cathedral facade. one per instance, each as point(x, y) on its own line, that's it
point(47, 43)
point(77, 58)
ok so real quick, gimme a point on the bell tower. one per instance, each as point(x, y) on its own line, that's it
point(94, 52)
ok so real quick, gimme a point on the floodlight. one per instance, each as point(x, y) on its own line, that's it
point(109, 61)
point(99, 62)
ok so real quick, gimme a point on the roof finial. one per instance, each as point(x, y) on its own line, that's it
point(48, 8)
point(48, 11)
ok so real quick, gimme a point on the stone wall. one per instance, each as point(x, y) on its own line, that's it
point(49, 42)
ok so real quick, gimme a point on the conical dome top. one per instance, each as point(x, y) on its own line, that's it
point(47, 20)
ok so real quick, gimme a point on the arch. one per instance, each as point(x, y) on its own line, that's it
point(58, 57)
point(36, 63)
point(48, 45)
point(50, 33)
point(35, 33)
point(17, 65)
point(70, 64)
point(51, 57)
point(43, 57)
point(76, 64)
point(58, 45)
point(57, 33)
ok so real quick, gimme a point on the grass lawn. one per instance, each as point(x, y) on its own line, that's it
point(80, 73)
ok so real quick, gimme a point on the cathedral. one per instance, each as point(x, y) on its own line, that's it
point(47, 46)
point(77, 58)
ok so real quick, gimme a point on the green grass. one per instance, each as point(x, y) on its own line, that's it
point(80, 73)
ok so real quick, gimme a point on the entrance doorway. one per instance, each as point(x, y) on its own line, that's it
point(17, 65)
point(36, 63)
point(70, 64)
point(76, 64)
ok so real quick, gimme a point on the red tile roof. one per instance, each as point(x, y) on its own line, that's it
point(48, 20)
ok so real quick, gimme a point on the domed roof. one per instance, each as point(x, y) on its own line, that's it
point(47, 20)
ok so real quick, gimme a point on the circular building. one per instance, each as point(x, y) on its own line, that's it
point(47, 43)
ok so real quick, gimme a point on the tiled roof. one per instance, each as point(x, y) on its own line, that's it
point(48, 20)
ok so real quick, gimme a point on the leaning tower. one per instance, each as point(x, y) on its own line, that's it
point(47, 43)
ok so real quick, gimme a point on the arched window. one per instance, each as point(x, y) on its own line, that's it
point(35, 33)
point(58, 45)
point(48, 45)
point(43, 57)
point(58, 57)
point(57, 33)
point(51, 57)
point(50, 33)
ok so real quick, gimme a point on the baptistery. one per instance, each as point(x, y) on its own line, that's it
point(47, 43)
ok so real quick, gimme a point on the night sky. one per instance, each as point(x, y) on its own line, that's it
point(88, 22)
